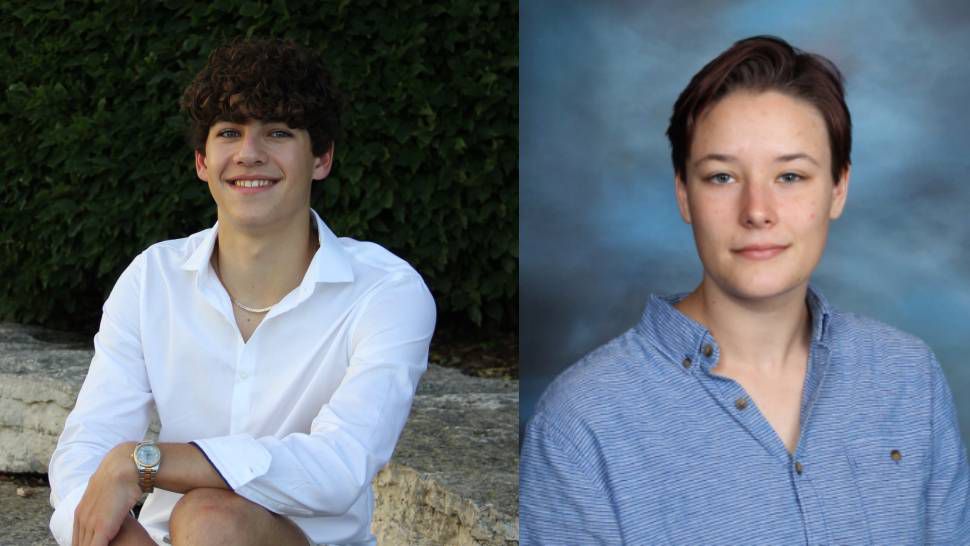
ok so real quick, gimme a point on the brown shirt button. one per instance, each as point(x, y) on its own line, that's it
point(741, 403)
point(895, 455)
point(708, 350)
point(798, 468)
point(686, 362)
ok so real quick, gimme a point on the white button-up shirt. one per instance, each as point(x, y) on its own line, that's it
point(298, 419)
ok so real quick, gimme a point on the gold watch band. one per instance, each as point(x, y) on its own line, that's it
point(146, 479)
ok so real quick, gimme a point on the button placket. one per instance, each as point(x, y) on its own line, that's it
point(242, 392)
point(809, 502)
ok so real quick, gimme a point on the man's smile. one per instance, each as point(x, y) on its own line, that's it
point(251, 184)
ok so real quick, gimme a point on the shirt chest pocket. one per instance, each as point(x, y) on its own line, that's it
point(890, 475)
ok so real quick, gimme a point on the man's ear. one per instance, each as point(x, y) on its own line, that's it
point(839, 193)
point(322, 164)
point(680, 189)
point(200, 168)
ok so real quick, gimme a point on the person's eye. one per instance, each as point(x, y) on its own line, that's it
point(790, 178)
point(720, 178)
point(228, 133)
point(279, 133)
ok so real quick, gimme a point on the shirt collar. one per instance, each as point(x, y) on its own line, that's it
point(821, 312)
point(330, 263)
point(678, 337)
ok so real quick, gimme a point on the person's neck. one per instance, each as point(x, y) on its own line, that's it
point(259, 268)
point(766, 336)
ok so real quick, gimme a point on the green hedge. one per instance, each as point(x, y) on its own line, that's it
point(97, 167)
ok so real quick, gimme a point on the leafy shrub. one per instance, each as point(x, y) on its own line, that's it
point(97, 167)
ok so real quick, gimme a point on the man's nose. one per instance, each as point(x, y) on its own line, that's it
point(758, 205)
point(250, 151)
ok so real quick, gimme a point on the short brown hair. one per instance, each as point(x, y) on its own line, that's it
point(763, 63)
point(268, 80)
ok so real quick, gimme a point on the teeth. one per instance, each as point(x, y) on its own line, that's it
point(253, 183)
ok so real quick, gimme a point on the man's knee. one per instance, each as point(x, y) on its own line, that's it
point(206, 512)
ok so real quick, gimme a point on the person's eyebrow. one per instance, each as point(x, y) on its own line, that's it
point(716, 157)
point(792, 157)
point(725, 158)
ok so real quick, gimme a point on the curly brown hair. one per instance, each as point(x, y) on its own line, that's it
point(268, 80)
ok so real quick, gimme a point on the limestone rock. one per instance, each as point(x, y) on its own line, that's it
point(459, 455)
point(39, 381)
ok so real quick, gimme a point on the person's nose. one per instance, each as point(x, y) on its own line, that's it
point(758, 205)
point(250, 151)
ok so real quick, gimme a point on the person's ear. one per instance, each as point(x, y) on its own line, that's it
point(323, 163)
point(200, 168)
point(840, 191)
point(680, 189)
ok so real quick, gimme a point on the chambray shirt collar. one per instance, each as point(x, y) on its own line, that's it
point(680, 338)
point(330, 263)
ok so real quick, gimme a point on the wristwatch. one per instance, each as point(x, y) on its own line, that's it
point(147, 459)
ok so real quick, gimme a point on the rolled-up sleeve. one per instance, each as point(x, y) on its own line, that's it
point(948, 487)
point(113, 405)
point(323, 472)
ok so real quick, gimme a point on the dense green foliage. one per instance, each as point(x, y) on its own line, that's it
point(97, 167)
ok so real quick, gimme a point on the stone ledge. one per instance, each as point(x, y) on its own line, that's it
point(453, 478)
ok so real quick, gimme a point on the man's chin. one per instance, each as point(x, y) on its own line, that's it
point(247, 220)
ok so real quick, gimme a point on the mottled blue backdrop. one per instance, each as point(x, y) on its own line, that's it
point(599, 228)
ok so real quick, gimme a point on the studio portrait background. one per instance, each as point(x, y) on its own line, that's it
point(599, 229)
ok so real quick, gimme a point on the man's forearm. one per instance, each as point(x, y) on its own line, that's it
point(184, 467)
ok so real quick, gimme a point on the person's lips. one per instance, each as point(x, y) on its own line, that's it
point(760, 251)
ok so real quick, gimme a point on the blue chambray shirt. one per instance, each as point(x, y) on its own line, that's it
point(639, 443)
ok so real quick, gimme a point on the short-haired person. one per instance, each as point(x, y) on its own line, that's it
point(282, 360)
point(751, 411)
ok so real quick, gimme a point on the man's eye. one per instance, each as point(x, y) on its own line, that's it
point(720, 178)
point(281, 134)
point(790, 178)
point(228, 133)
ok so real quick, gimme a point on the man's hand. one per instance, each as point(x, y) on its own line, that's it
point(111, 492)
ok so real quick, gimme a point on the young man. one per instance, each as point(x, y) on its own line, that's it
point(282, 360)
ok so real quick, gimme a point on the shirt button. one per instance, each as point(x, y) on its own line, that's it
point(686, 363)
point(798, 468)
point(895, 455)
point(244, 375)
point(741, 403)
point(708, 350)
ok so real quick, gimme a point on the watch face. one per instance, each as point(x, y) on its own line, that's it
point(148, 455)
